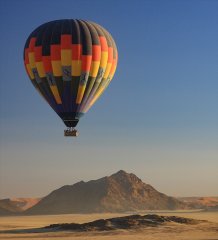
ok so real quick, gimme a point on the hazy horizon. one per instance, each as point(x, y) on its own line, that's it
point(158, 119)
point(86, 180)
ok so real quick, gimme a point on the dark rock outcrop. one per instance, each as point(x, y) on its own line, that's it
point(127, 222)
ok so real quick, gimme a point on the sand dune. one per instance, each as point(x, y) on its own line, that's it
point(12, 206)
point(167, 231)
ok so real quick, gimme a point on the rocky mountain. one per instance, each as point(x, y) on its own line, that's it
point(120, 192)
point(16, 205)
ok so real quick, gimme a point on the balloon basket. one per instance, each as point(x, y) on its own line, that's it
point(71, 132)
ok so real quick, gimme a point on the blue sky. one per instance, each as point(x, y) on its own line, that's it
point(158, 118)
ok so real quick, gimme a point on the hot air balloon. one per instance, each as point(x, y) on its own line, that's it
point(70, 63)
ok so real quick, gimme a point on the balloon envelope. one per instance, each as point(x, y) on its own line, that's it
point(70, 63)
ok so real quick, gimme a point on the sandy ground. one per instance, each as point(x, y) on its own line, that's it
point(203, 231)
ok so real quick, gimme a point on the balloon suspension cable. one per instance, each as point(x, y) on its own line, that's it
point(71, 132)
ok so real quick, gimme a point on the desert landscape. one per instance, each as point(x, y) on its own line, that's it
point(32, 227)
point(120, 206)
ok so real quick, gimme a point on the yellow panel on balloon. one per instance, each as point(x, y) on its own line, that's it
point(94, 68)
point(29, 70)
point(107, 71)
point(80, 94)
point(56, 94)
point(56, 68)
point(40, 69)
point(32, 60)
point(76, 68)
point(66, 57)
point(104, 57)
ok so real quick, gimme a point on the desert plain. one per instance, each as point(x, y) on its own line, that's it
point(20, 225)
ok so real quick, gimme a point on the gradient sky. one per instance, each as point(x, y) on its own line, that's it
point(158, 119)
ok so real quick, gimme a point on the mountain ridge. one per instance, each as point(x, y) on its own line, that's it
point(120, 192)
